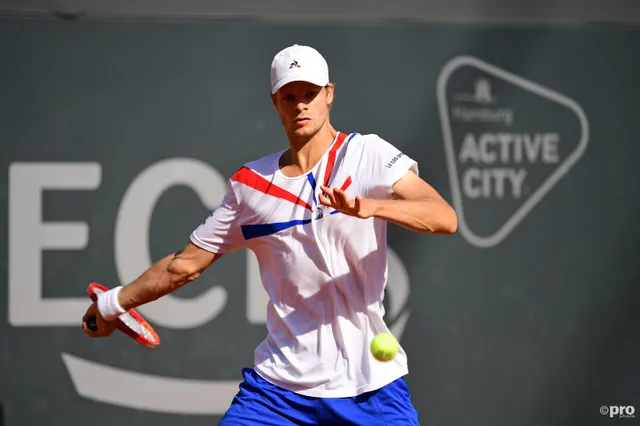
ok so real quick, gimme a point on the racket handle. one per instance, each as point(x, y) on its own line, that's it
point(91, 324)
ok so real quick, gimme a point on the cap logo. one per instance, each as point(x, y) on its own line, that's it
point(294, 64)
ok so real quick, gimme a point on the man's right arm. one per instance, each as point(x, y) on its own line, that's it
point(166, 276)
point(219, 233)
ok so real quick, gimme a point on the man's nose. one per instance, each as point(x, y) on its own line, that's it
point(301, 106)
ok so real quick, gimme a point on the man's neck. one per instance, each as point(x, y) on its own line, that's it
point(304, 154)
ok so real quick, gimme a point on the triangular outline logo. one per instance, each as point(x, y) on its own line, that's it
point(452, 166)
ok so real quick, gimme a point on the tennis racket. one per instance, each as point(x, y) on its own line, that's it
point(131, 323)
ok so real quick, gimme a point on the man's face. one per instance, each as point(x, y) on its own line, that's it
point(303, 107)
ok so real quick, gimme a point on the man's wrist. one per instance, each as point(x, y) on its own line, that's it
point(109, 306)
point(377, 206)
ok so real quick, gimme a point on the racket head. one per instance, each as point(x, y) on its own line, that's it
point(130, 323)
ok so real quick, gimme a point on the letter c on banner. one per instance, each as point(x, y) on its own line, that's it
point(133, 223)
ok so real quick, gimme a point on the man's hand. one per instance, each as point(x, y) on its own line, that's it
point(104, 328)
point(338, 199)
point(415, 205)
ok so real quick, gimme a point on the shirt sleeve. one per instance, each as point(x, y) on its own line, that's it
point(221, 232)
point(382, 166)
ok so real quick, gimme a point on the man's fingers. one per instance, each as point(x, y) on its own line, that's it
point(324, 196)
point(90, 332)
point(335, 198)
point(340, 198)
point(324, 200)
point(332, 197)
point(105, 328)
point(344, 199)
point(86, 320)
point(95, 326)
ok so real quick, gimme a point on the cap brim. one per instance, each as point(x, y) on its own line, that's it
point(317, 80)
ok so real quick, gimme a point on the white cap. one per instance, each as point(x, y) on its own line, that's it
point(298, 63)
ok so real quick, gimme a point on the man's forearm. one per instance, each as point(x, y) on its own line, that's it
point(430, 215)
point(159, 280)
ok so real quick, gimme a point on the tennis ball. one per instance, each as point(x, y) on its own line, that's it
point(384, 347)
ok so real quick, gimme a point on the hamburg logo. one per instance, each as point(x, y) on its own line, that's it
point(508, 142)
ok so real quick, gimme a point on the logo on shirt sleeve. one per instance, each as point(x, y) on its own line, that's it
point(394, 159)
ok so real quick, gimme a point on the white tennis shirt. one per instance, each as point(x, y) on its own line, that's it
point(325, 272)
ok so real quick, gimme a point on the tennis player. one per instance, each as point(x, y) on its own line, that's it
point(315, 214)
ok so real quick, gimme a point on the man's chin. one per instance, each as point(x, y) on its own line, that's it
point(304, 131)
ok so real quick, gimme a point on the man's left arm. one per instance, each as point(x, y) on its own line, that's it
point(416, 206)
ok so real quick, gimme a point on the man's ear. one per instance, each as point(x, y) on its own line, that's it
point(330, 93)
point(273, 101)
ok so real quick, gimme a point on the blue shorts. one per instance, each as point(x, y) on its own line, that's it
point(261, 403)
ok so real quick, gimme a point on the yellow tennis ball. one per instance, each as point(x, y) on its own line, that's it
point(384, 347)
